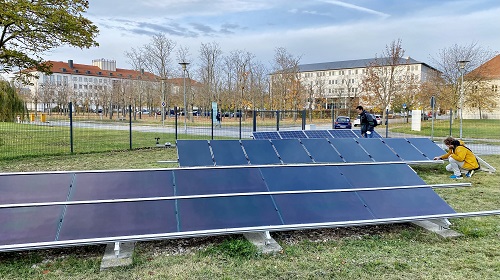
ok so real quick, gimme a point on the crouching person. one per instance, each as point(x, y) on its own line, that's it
point(461, 159)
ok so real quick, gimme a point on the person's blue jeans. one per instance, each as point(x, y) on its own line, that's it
point(369, 134)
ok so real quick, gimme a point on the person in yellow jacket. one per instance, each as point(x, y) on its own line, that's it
point(460, 157)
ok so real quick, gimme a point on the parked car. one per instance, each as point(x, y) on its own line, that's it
point(343, 122)
point(357, 121)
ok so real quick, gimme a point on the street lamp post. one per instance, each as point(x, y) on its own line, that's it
point(184, 65)
point(461, 66)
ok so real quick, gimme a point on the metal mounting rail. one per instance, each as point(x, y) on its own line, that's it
point(186, 234)
point(222, 167)
point(121, 200)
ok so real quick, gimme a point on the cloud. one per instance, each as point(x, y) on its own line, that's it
point(355, 7)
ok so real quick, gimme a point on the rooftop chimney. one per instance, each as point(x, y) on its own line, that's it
point(70, 63)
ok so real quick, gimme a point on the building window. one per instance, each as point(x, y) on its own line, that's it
point(80, 86)
point(75, 86)
point(80, 79)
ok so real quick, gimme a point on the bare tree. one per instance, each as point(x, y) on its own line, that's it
point(447, 85)
point(210, 56)
point(385, 77)
point(285, 84)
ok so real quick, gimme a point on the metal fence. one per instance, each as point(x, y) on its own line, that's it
point(56, 133)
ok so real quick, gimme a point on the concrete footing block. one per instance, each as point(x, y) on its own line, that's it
point(263, 241)
point(117, 256)
point(443, 232)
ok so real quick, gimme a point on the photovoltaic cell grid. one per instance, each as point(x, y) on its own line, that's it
point(177, 216)
point(293, 151)
point(299, 134)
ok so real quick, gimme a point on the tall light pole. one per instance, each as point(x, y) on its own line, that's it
point(184, 65)
point(461, 66)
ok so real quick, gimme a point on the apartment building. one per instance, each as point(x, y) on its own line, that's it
point(488, 75)
point(337, 82)
point(90, 86)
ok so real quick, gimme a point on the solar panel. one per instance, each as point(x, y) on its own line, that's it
point(404, 149)
point(317, 134)
point(216, 181)
point(350, 150)
point(291, 151)
point(194, 153)
point(378, 150)
point(118, 219)
point(34, 188)
point(266, 135)
point(321, 150)
point(241, 202)
point(260, 152)
point(426, 146)
point(358, 133)
point(293, 134)
point(29, 224)
point(228, 152)
point(122, 184)
point(342, 133)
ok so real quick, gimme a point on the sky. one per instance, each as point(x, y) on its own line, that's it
point(314, 30)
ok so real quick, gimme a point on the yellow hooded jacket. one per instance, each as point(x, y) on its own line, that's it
point(461, 153)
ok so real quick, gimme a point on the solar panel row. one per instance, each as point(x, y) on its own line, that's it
point(300, 134)
point(308, 150)
point(30, 226)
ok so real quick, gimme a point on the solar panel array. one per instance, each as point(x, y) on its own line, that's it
point(301, 151)
point(299, 134)
point(59, 209)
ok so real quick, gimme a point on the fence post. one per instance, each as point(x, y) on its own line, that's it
point(254, 121)
point(175, 114)
point(241, 113)
point(130, 125)
point(277, 120)
point(304, 119)
point(333, 116)
point(212, 122)
point(451, 119)
point(386, 123)
point(71, 126)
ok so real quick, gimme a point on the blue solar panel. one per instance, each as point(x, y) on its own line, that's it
point(342, 133)
point(194, 153)
point(321, 150)
point(378, 150)
point(125, 184)
point(118, 219)
point(404, 149)
point(31, 188)
point(358, 133)
point(260, 152)
point(266, 135)
point(350, 150)
point(228, 152)
point(309, 177)
point(317, 134)
point(29, 224)
point(404, 203)
point(294, 134)
point(426, 146)
point(216, 181)
point(380, 175)
point(291, 151)
point(227, 212)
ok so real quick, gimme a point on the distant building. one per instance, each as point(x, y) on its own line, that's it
point(488, 75)
point(98, 86)
point(338, 81)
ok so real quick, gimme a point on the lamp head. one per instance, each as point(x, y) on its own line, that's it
point(184, 65)
point(462, 63)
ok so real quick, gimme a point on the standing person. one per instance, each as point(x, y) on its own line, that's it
point(218, 118)
point(366, 122)
point(461, 158)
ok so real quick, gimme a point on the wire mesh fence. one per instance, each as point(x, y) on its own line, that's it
point(56, 133)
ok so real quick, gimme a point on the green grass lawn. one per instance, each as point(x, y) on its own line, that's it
point(398, 251)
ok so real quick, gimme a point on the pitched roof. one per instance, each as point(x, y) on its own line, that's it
point(94, 71)
point(350, 64)
point(488, 70)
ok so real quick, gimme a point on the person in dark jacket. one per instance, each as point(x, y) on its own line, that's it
point(366, 122)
